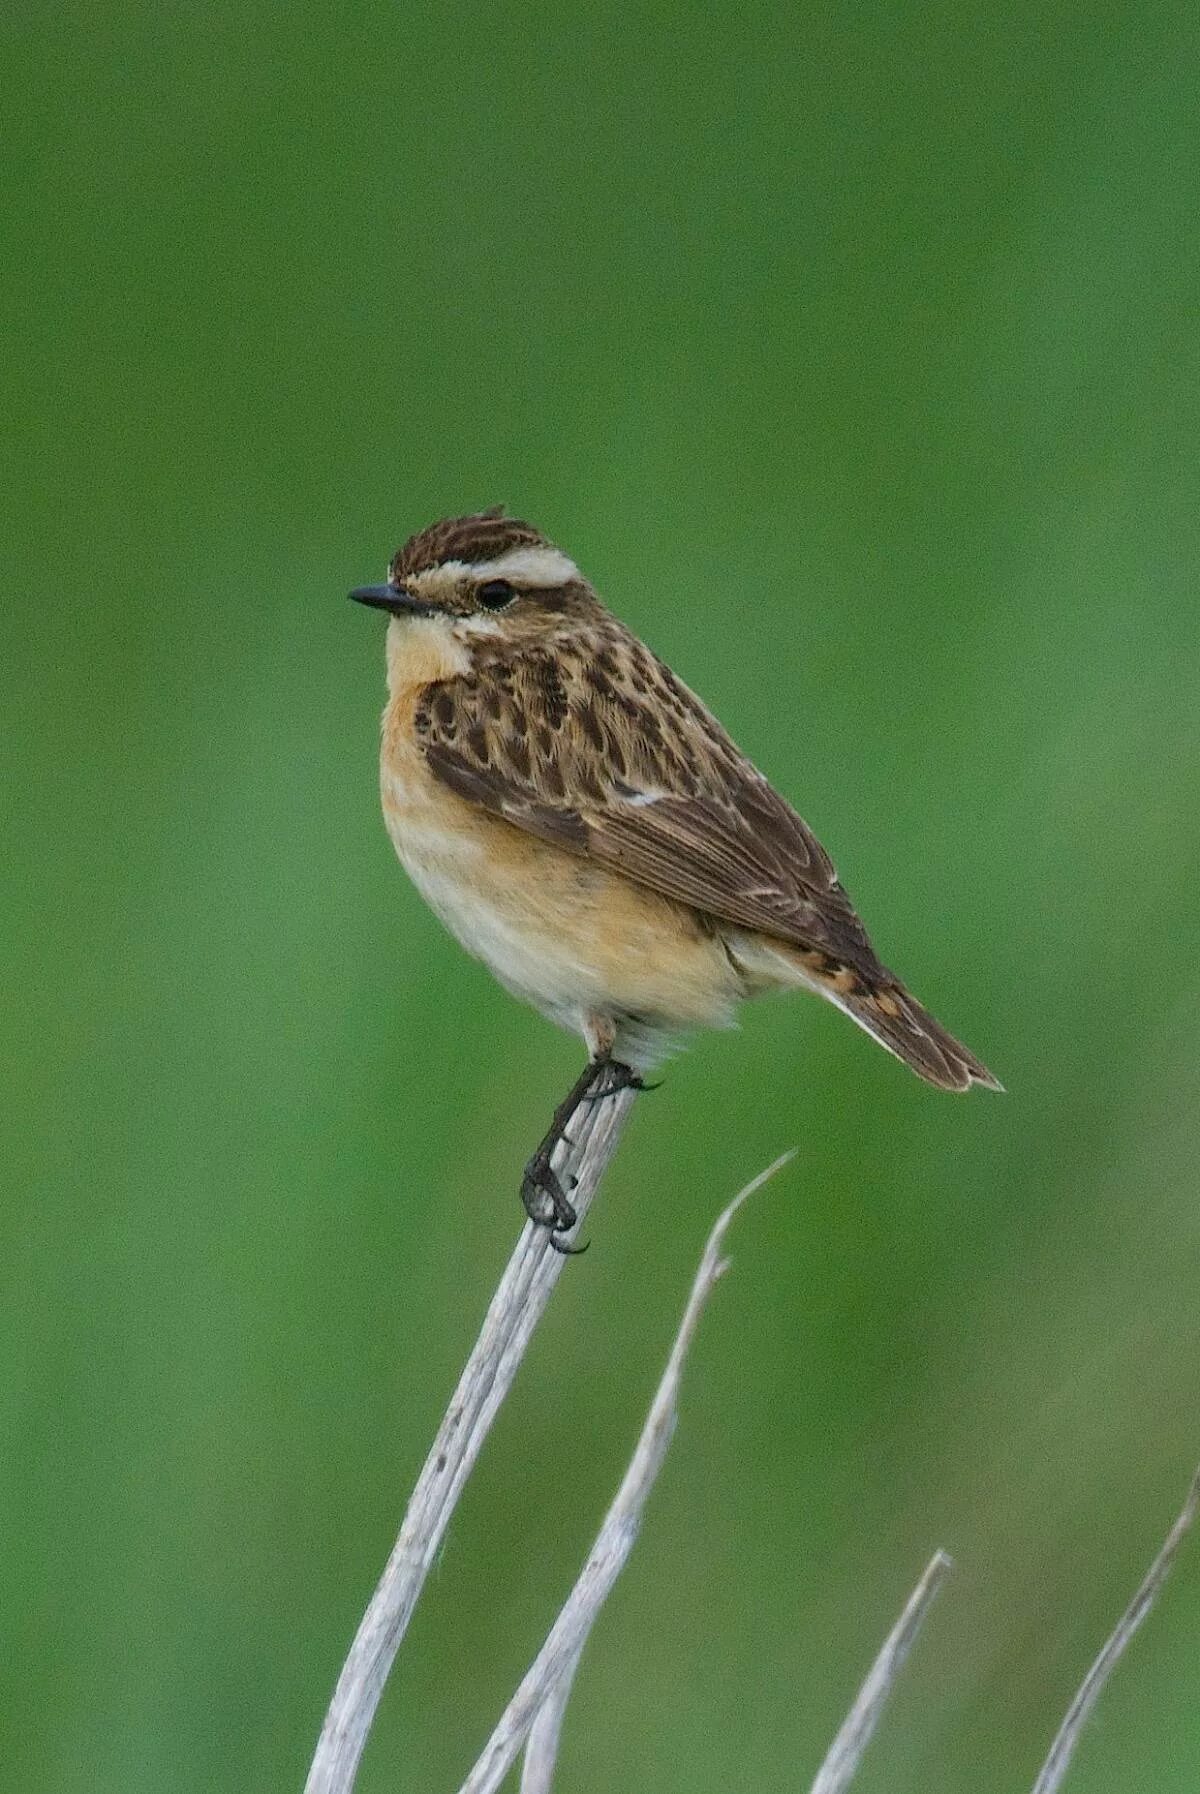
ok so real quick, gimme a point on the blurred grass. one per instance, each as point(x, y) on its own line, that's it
point(855, 356)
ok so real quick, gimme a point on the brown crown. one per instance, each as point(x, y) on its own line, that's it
point(480, 537)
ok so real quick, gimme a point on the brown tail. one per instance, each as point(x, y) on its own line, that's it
point(874, 998)
point(898, 1022)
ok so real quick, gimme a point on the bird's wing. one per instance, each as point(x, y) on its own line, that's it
point(601, 750)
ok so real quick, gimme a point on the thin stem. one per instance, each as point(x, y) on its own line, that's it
point(541, 1748)
point(1063, 1749)
point(515, 1310)
point(845, 1753)
point(556, 1661)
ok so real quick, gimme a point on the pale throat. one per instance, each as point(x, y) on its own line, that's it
point(421, 650)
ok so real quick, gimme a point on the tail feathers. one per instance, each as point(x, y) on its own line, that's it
point(879, 1003)
point(898, 1022)
point(875, 999)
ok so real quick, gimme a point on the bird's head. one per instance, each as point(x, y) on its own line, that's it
point(481, 578)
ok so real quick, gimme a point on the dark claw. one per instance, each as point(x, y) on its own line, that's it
point(615, 1077)
point(546, 1202)
point(537, 1204)
point(565, 1251)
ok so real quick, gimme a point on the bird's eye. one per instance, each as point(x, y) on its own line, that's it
point(495, 594)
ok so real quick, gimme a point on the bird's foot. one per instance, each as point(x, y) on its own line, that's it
point(546, 1202)
point(613, 1076)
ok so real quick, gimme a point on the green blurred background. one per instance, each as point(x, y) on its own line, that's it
point(854, 353)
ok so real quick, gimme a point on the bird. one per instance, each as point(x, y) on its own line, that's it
point(585, 826)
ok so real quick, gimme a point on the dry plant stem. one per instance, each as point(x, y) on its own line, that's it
point(541, 1748)
point(516, 1308)
point(845, 1753)
point(1063, 1749)
point(556, 1661)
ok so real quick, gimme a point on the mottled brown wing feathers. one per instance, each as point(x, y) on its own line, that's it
point(600, 749)
point(482, 785)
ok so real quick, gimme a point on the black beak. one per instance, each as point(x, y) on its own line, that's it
point(392, 598)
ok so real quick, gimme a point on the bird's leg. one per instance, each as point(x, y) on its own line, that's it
point(546, 1202)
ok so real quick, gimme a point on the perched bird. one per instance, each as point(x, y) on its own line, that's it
point(584, 825)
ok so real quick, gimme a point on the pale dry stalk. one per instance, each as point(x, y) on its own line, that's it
point(535, 1711)
point(521, 1298)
